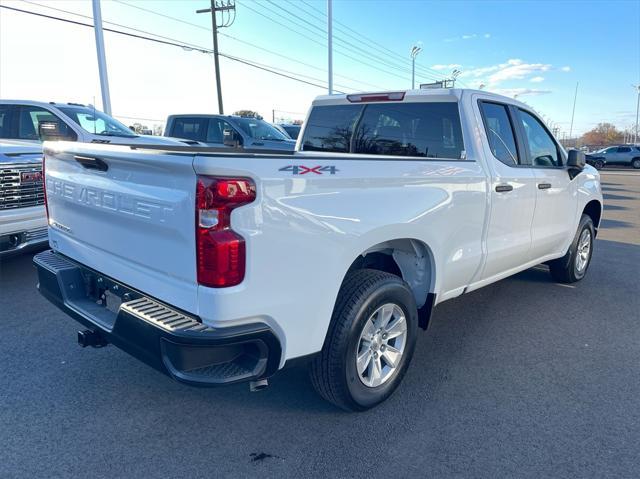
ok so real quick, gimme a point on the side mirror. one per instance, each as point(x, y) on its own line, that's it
point(576, 162)
point(231, 138)
point(576, 159)
point(49, 131)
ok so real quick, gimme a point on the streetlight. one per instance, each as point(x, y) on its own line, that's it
point(454, 74)
point(417, 48)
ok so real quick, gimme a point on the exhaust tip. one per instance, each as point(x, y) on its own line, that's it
point(259, 385)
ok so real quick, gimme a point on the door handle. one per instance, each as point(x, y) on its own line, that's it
point(504, 188)
point(92, 163)
point(544, 186)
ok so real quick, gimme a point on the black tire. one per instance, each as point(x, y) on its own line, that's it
point(333, 371)
point(565, 269)
point(636, 163)
point(598, 164)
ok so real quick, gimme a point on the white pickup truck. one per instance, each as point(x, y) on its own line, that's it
point(217, 266)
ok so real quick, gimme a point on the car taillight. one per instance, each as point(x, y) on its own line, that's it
point(221, 253)
point(44, 189)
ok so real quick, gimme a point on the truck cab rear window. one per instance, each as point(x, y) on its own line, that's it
point(429, 130)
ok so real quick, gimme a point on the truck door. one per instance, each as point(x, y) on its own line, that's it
point(556, 195)
point(513, 191)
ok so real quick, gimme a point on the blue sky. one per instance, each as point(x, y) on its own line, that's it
point(536, 50)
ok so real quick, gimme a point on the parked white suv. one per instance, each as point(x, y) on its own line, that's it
point(23, 222)
point(218, 267)
point(23, 119)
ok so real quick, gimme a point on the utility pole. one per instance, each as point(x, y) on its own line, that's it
point(573, 113)
point(636, 134)
point(102, 62)
point(223, 7)
point(417, 48)
point(330, 44)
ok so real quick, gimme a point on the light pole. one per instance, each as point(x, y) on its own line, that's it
point(635, 135)
point(454, 75)
point(102, 62)
point(330, 45)
point(414, 53)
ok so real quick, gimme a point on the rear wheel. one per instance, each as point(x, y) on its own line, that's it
point(635, 163)
point(370, 341)
point(573, 266)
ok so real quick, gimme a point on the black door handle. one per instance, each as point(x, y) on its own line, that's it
point(544, 186)
point(92, 163)
point(503, 188)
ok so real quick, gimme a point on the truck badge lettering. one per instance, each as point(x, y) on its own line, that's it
point(303, 170)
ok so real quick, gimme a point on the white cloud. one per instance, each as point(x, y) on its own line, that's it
point(537, 79)
point(468, 36)
point(516, 69)
point(566, 69)
point(518, 92)
point(451, 66)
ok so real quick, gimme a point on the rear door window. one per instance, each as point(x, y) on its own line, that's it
point(624, 149)
point(499, 130)
point(194, 128)
point(215, 131)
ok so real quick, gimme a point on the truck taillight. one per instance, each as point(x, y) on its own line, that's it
point(220, 251)
point(44, 189)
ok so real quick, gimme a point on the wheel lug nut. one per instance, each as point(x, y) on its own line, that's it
point(384, 336)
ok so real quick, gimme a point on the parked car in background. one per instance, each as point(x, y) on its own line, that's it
point(23, 221)
point(597, 162)
point(228, 131)
point(290, 129)
point(24, 119)
point(626, 155)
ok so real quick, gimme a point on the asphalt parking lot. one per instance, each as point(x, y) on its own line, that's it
point(524, 378)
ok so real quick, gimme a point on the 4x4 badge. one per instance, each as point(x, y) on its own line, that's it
point(303, 170)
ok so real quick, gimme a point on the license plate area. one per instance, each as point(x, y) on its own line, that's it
point(99, 298)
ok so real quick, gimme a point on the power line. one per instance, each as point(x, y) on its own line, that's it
point(110, 23)
point(359, 60)
point(173, 43)
point(294, 59)
point(397, 66)
point(345, 27)
point(220, 33)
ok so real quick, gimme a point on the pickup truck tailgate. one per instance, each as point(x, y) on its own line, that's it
point(128, 215)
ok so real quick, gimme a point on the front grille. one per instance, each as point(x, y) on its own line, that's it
point(20, 194)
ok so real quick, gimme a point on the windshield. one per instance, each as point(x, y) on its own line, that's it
point(96, 122)
point(259, 129)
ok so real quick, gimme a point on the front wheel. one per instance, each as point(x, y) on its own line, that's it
point(573, 266)
point(370, 341)
point(636, 163)
point(598, 164)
